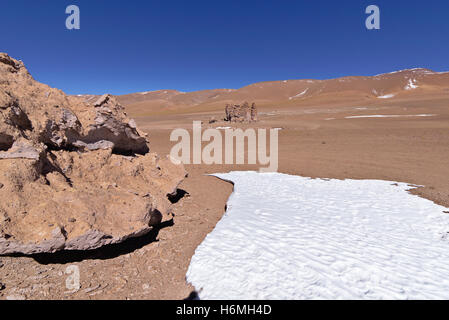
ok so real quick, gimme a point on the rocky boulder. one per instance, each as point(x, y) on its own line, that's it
point(73, 176)
point(241, 113)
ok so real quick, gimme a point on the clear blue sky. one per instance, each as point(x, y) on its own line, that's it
point(141, 45)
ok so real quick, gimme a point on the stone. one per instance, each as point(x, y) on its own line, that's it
point(99, 145)
point(59, 156)
point(22, 149)
point(241, 113)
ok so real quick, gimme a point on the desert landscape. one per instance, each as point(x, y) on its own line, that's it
point(86, 180)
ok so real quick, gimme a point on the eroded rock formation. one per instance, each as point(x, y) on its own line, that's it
point(241, 113)
point(73, 176)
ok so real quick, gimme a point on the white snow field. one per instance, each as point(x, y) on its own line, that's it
point(290, 237)
point(391, 116)
point(387, 96)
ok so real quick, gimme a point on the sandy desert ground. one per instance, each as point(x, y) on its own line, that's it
point(329, 130)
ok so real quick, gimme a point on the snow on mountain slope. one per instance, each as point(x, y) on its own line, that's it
point(289, 237)
point(299, 94)
point(294, 93)
point(411, 84)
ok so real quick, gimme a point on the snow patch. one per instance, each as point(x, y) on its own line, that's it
point(391, 116)
point(411, 84)
point(387, 96)
point(290, 237)
point(299, 94)
point(414, 70)
point(146, 92)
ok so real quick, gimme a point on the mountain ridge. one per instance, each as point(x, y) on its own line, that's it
point(290, 93)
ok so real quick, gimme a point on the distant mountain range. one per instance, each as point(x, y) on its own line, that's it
point(290, 93)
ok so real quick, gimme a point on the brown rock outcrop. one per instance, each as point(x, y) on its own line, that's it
point(241, 113)
point(73, 176)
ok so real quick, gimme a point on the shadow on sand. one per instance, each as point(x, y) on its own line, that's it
point(193, 296)
point(103, 253)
